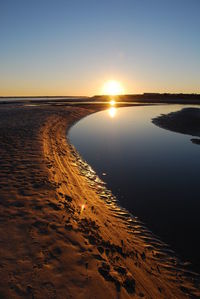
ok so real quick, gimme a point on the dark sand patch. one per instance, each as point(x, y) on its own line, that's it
point(185, 121)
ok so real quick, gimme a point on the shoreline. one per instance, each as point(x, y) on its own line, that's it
point(63, 249)
point(185, 121)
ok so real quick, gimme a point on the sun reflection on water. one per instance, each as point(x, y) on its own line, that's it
point(112, 112)
point(112, 103)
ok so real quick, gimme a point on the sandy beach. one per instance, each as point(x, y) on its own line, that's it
point(62, 233)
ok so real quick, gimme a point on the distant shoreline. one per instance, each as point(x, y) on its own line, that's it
point(156, 98)
point(146, 98)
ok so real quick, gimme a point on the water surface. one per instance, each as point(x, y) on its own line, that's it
point(153, 172)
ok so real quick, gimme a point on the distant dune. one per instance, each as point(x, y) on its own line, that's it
point(155, 98)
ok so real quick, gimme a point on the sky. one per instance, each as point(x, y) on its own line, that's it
point(71, 47)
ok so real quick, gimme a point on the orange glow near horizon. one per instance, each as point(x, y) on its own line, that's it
point(112, 88)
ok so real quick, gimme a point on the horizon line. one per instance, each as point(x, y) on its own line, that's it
point(98, 95)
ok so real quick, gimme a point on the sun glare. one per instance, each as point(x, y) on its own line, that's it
point(113, 88)
point(112, 103)
point(112, 112)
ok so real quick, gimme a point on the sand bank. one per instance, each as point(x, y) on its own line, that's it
point(62, 233)
point(185, 121)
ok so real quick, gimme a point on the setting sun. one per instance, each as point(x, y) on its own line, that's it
point(113, 88)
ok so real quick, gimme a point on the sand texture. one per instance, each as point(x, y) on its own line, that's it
point(62, 233)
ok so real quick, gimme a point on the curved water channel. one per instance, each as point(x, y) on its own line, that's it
point(153, 172)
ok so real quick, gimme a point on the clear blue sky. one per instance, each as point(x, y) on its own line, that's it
point(70, 47)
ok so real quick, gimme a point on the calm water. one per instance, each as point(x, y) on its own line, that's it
point(153, 172)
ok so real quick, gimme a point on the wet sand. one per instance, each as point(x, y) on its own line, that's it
point(185, 121)
point(62, 233)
